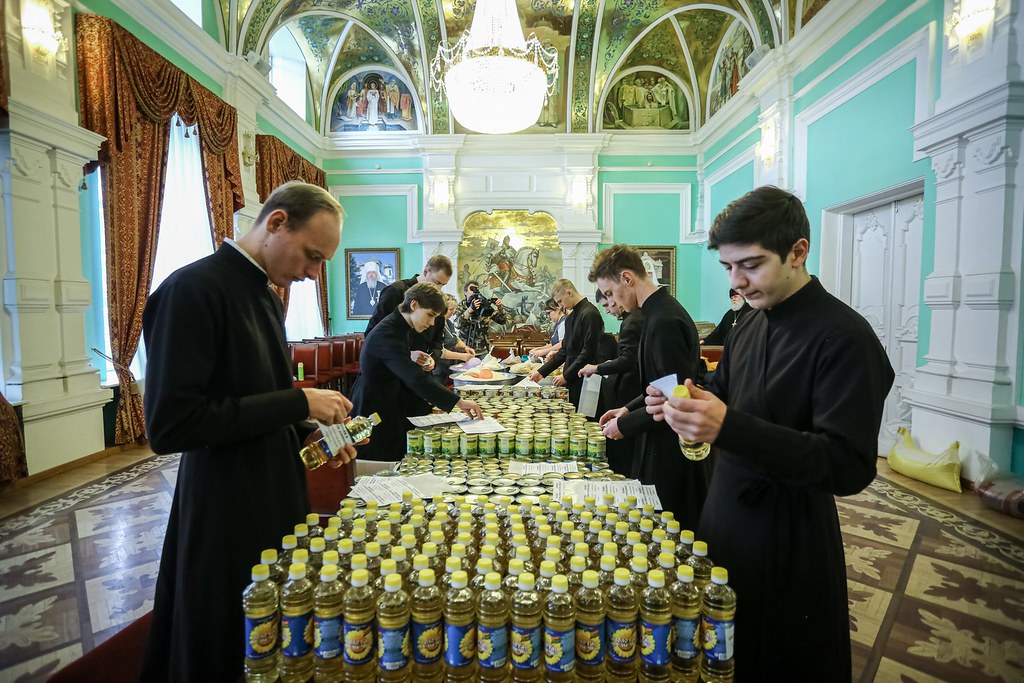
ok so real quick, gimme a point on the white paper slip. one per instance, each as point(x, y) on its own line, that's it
point(666, 384)
point(383, 490)
point(579, 490)
point(336, 437)
point(516, 467)
point(437, 419)
point(426, 486)
point(526, 382)
point(488, 425)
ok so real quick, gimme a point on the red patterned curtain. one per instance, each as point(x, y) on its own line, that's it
point(279, 163)
point(128, 94)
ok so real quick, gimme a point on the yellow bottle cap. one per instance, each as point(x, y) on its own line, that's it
point(388, 566)
point(460, 579)
point(484, 565)
point(452, 564)
point(639, 564)
point(288, 542)
point(359, 561)
point(633, 537)
point(360, 577)
point(426, 577)
point(686, 536)
point(312, 519)
point(260, 572)
point(335, 520)
point(331, 533)
point(552, 555)
point(420, 562)
point(554, 542)
point(458, 550)
point(331, 557)
point(297, 571)
point(399, 554)
point(621, 576)
point(301, 530)
point(492, 581)
point(373, 549)
point(581, 549)
point(526, 581)
point(317, 545)
point(547, 568)
point(329, 572)
point(523, 553)
point(301, 555)
point(345, 546)
point(429, 549)
point(700, 548)
point(488, 551)
point(577, 563)
point(268, 556)
point(684, 573)
point(666, 559)
point(720, 575)
point(640, 549)
point(393, 583)
point(681, 391)
point(656, 578)
point(515, 566)
point(590, 579)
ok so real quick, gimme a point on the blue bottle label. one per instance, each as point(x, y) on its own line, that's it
point(261, 636)
point(492, 646)
point(297, 634)
point(358, 641)
point(525, 647)
point(718, 639)
point(622, 641)
point(327, 637)
point(687, 642)
point(427, 641)
point(590, 643)
point(393, 648)
point(459, 644)
point(654, 643)
point(559, 649)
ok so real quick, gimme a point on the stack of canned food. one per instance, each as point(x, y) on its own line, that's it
point(536, 429)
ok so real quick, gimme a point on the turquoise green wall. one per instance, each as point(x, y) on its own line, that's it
point(715, 293)
point(1017, 456)
point(91, 231)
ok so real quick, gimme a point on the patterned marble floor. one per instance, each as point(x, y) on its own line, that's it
point(935, 594)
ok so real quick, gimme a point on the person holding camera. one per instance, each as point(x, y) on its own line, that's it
point(475, 315)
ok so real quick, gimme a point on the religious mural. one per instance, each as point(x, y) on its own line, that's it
point(646, 100)
point(731, 66)
point(375, 101)
point(515, 256)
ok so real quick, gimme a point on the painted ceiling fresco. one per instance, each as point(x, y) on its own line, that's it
point(689, 56)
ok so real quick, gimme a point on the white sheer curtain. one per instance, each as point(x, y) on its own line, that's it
point(288, 71)
point(303, 318)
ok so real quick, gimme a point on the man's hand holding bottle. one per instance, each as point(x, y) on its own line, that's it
point(331, 407)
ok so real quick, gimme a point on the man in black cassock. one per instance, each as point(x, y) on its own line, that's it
point(219, 388)
point(583, 330)
point(367, 292)
point(668, 346)
point(738, 310)
point(621, 377)
point(793, 413)
point(428, 346)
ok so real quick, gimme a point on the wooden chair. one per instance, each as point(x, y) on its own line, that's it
point(305, 354)
point(115, 660)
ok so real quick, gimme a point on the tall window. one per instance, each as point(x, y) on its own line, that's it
point(184, 237)
point(303, 318)
point(288, 71)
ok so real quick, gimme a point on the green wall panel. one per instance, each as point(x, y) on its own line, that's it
point(1017, 455)
point(364, 164)
point(352, 180)
point(741, 147)
point(741, 129)
point(715, 293)
point(370, 222)
point(640, 161)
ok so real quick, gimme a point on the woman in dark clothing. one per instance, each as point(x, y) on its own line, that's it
point(387, 364)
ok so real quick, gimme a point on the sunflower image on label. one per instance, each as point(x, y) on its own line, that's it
point(687, 642)
point(719, 638)
point(394, 649)
point(357, 639)
point(327, 637)
point(427, 641)
point(525, 647)
point(492, 646)
point(590, 643)
point(622, 641)
point(654, 643)
point(296, 634)
point(261, 636)
point(459, 644)
point(559, 649)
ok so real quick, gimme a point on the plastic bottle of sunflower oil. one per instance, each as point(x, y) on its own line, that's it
point(357, 628)
point(297, 626)
point(328, 661)
point(623, 608)
point(560, 632)
point(526, 636)
point(492, 631)
point(590, 629)
point(655, 630)
point(718, 609)
point(427, 628)
point(701, 564)
point(686, 618)
point(262, 627)
point(393, 647)
point(459, 631)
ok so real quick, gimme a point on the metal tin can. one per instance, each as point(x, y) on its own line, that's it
point(449, 445)
point(507, 490)
point(505, 443)
point(524, 444)
point(560, 445)
point(578, 446)
point(488, 444)
point(595, 447)
point(431, 443)
point(468, 444)
point(542, 445)
point(414, 441)
point(480, 490)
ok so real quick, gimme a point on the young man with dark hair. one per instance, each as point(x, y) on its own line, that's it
point(583, 330)
point(668, 346)
point(219, 389)
point(793, 412)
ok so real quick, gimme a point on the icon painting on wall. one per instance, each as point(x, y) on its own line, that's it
point(373, 101)
point(731, 66)
point(646, 100)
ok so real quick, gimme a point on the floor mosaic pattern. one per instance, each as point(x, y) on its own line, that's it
point(934, 595)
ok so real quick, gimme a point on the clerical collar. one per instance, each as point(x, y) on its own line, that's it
point(243, 252)
point(797, 302)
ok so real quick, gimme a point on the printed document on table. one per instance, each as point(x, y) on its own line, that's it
point(488, 425)
point(437, 419)
point(516, 467)
point(579, 490)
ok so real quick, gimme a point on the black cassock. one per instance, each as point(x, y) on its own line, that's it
point(364, 298)
point(728, 323)
point(805, 384)
point(583, 330)
point(668, 346)
point(386, 373)
point(218, 388)
point(621, 385)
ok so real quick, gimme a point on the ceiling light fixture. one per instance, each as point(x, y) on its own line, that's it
point(496, 81)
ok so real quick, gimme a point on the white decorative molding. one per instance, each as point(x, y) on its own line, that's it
point(916, 48)
point(947, 163)
point(989, 150)
point(942, 291)
point(745, 157)
point(988, 291)
point(410, 192)
point(682, 190)
point(28, 293)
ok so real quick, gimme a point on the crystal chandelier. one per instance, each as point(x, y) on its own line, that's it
point(496, 81)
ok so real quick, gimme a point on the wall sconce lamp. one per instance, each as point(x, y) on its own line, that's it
point(249, 154)
point(969, 21)
point(441, 189)
point(579, 192)
point(39, 23)
point(768, 148)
